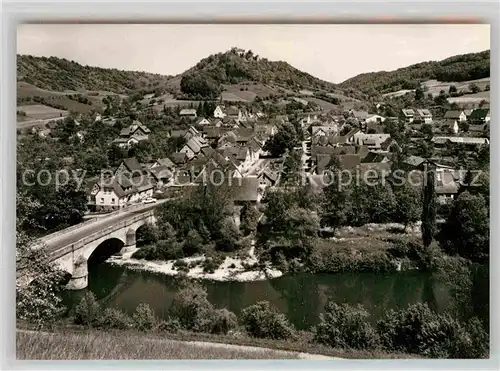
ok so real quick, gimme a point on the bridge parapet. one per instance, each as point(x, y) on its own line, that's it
point(75, 227)
point(56, 254)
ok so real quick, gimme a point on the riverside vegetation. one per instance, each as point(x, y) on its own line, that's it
point(343, 330)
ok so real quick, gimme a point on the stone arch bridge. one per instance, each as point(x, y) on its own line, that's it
point(70, 249)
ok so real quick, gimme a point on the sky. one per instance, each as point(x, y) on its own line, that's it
point(330, 52)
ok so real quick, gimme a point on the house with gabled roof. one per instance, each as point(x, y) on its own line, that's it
point(458, 116)
point(166, 162)
point(480, 116)
point(374, 118)
point(188, 112)
point(240, 156)
point(179, 158)
point(132, 134)
point(118, 191)
point(243, 135)
point(161, 176)
point(202, 121)
point(234, 113)
point(372, 141)
point(324, 130)
point(360, 116)
point(130, 167)
point(267, 178)
point(193, 146)
point(219, 112)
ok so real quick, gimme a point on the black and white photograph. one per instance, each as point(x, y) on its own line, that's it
point(252, 191)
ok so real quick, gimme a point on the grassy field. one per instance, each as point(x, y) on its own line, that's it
point(95, 345)
point(434, 87)
point(323, 104)
point(73, 343)
point(25, 90)
point(40, 112)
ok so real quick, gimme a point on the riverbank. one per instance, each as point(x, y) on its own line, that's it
point(241, 269)
point(366, 242)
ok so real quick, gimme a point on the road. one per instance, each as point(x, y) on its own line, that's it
point(59, 241)
point(32, 123)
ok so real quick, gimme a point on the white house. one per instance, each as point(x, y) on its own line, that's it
point(423, 115)
point(119, 191)
point(408, 115)
point(374, 119)
point(219, 113)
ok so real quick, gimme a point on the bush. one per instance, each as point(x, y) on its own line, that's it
point(211, 264)
point(145, 252)
point(419, 330)
point(114, 319)
point(194, 312)
point(87, 311)
point(171, 325)
point(223, 321)
point(143, 317)
point(181, 266)
point(325, 259)
point(261, 320)
point(343, 326)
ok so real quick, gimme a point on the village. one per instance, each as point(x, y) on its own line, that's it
point(196, 192)
point(232, 142)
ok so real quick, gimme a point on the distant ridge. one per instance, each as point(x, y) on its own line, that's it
point(458, 68)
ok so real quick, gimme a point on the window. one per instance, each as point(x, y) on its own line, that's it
point(112, 200)
point(102, 200)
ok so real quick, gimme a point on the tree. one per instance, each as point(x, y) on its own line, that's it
point(408, 204)
point(38, 302)
point(474, 88)
point(466, 231)
point(428, 207)
point(336, 206)
point(419, 93)
point(249, 216)
point(88, 311)
point(427, 130)
point(285, 139)
point(200, 85)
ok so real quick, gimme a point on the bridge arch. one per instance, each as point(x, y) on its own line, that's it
point(76, 260)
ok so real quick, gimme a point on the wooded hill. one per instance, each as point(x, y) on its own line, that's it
point(457, 68)
point(238, 66)
point(59, 74)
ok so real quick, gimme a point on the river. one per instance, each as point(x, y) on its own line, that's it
point(301, 297)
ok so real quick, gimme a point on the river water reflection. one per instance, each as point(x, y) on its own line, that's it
point(301, 297)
